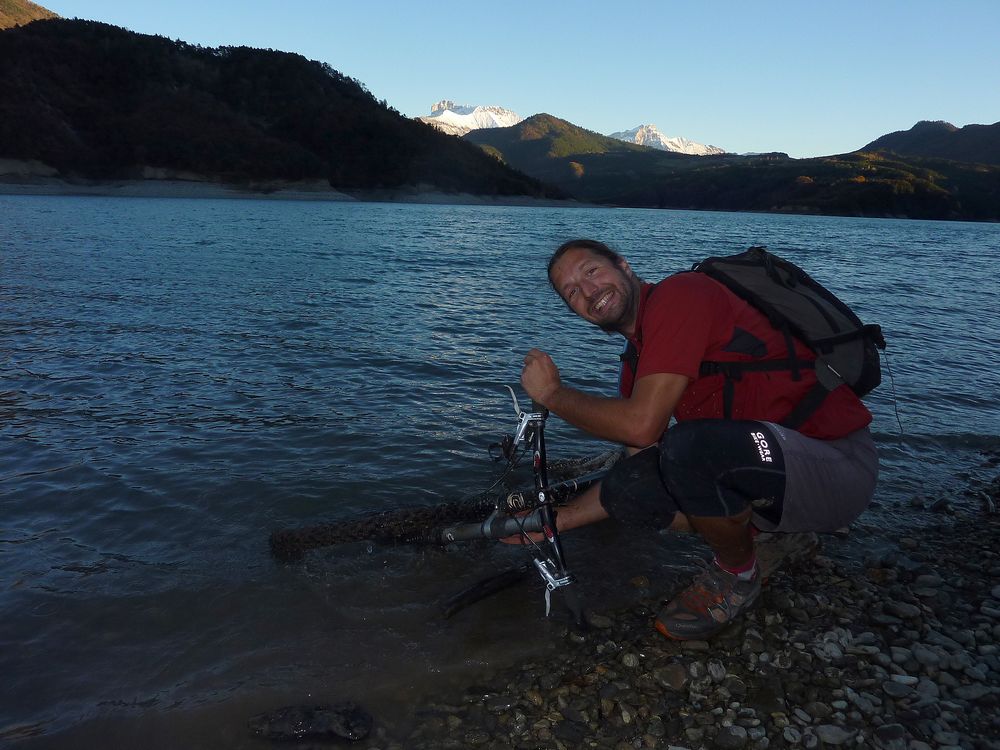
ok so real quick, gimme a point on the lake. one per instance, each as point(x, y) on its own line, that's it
point(181, 377)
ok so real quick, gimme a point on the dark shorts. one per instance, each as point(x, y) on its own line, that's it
point(717, 468)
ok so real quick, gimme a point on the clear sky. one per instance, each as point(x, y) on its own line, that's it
point(806, 77)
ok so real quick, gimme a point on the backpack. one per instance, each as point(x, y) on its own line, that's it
point(798, 306)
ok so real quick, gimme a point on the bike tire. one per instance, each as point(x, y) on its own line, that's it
point(421, 524)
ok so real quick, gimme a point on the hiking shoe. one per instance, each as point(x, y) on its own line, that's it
point(714, 599)
point(776, 550)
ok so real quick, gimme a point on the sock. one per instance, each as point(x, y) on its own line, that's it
point(744, 572)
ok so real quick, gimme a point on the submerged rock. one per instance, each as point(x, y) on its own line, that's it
point(345, 720)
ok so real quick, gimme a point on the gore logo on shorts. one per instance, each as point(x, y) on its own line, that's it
point(760, 440)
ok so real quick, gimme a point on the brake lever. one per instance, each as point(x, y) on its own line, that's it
point(524, 418)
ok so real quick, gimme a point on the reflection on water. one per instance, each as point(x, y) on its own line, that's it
point(180, 377)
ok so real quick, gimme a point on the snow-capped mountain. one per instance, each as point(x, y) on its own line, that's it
point(457, 119)
point(648, 135)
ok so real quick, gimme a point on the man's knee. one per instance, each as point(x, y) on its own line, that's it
point(632, 492)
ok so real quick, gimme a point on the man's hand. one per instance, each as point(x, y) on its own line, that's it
point(540, 376)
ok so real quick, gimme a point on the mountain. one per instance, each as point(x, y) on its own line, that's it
point(97, 101)
point(648, 135)
point(942, 140)
point(605, 170)
point(20, 12)
point(457, 119)
point(586, 164)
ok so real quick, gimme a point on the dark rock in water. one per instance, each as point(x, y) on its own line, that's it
point(345, 720)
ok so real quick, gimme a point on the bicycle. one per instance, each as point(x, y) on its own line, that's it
point(518, 513)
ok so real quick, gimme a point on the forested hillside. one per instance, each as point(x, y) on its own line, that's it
point(98, 101)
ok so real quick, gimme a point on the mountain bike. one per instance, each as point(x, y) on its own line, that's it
point(523, 513)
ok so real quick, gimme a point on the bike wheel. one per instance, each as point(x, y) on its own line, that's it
point(421, 524)
point(406, 525)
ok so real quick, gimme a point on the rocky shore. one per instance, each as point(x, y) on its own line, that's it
point(895, 649)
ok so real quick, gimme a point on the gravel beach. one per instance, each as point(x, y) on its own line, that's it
point(894, 648)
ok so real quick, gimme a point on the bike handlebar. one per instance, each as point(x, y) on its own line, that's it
point(494, 527)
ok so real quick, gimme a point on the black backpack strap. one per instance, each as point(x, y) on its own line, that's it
point(806, 407)
point(733, 371)
point(630, 357)
point(794, 363)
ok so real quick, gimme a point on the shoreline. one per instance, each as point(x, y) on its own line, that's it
point(313, 190)
point(897, 651)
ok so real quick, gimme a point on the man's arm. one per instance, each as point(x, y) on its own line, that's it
point(636, 421)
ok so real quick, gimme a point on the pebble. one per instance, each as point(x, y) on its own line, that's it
point(630, 660)
point(896, 689)
point(889, 732)
point(831, 734)
point(601, 622)
point(925, 656)
point(716, 670)
point(731, 737)
point(902, 609)
point(673, 676)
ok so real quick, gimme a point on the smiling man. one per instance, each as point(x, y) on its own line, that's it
point(728, 468)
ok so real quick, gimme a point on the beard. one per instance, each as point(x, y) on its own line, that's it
point(629, 290)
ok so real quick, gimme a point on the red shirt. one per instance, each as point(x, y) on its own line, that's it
point(691, 319)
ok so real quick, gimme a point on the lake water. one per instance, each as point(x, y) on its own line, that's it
point(180, 377)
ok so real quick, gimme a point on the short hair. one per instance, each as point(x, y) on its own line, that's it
point(598, 248)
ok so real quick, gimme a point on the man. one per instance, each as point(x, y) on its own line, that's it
point(725, 479)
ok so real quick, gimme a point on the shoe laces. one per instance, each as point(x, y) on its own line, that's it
point(709, 587)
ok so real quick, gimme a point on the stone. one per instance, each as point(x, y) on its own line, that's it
point(694, 734)
point(863, 702)
point(947, 738)
point(896, 689)
point(716, 670)
point(673, 676)
point(990, 611)
point(601, 622)
point(818, 710)
point(792, 735)
point(731, 738)
point(695, 645)
point(831, 734)
point(925, 656)
point(630, 659)
point(890, 732)
point(971, 692)
point(900, 655)
point(904, 610)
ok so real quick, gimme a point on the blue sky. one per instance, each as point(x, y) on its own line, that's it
point(809, 78)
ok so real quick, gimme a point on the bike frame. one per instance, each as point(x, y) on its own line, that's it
point(509, 519)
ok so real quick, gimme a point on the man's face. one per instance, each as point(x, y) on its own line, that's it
point(597, 289)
